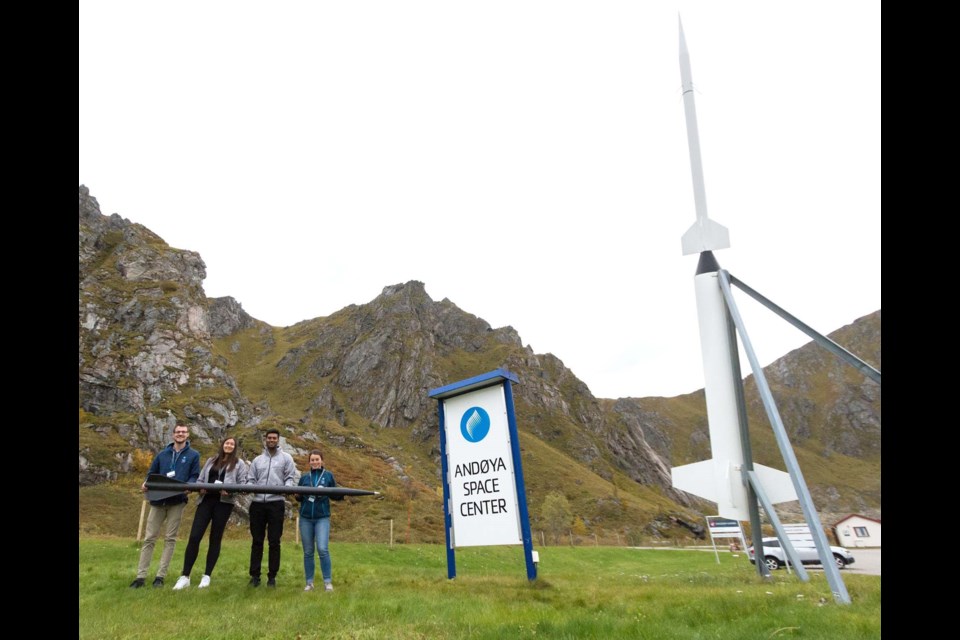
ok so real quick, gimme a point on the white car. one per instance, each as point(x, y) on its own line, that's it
point(776, 557)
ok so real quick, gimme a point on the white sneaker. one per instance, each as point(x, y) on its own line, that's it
point(182, 583)
point(309, 587)
point(204, 582)
point(328, 586)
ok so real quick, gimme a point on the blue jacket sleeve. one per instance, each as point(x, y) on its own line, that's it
point(304, 482)
point(194, 467)
point(154, 466)
point(333, 483)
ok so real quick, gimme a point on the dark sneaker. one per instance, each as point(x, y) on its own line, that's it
point(136, 584)
point(254, 581)
point(271, 582)
point(158, 582)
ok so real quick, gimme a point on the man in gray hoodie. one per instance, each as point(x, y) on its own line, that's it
point(273, 467)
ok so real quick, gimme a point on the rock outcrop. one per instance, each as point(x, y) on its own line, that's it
point(144, 358)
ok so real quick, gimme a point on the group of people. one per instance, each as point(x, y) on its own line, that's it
point(273, 467)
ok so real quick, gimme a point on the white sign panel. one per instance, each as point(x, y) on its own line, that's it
point(483, 488)
point(721, 527)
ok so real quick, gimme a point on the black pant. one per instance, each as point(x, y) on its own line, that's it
point(266, 518)
point(210, 510)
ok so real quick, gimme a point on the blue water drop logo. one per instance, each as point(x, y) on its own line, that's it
point(475, 424)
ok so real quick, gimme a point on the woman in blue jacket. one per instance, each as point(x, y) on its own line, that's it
point(315, 521)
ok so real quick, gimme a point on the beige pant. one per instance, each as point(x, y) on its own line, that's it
point(167, 518)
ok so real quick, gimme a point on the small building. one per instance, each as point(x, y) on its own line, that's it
point(857, 531)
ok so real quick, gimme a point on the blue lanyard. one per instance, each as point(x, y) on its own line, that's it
point(176, 454)
point(319, 478)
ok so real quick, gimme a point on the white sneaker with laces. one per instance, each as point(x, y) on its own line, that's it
point(182, 583)
point(204, 582)
point(309, 587)
point(328, 586)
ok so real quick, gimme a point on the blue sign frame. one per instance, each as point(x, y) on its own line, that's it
point(482, 381)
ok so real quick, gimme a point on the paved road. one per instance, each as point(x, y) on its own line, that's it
point(867, 562)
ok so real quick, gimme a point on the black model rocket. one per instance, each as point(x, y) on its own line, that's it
point(160, 487)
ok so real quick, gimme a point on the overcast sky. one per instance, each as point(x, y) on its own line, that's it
point(527, 160)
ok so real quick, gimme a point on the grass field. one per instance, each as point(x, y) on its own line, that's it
point(402, 592)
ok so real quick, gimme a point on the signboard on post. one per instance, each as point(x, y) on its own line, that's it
point(483, 494)
point(484, 499)
point(721, 527)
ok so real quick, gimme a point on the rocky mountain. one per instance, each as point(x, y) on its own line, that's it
point(154, 350)
point(145, 356)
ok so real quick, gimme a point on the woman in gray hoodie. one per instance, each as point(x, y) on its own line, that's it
point(214, 507)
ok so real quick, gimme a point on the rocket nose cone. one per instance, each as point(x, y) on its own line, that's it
point(707, 263)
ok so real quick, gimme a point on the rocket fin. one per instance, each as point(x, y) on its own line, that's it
point(705, 235)
point(776, 484)
point(698, 478)
point(157, 494)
